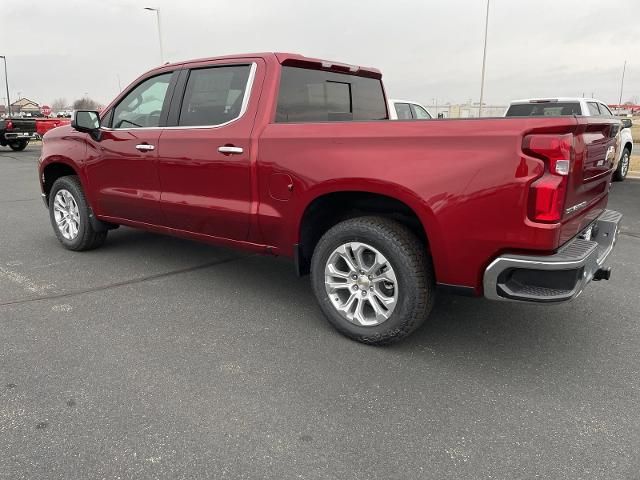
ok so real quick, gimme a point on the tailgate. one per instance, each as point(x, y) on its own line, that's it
point(22, 125)
point(595, 146)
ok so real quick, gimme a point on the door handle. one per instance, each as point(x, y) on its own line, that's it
point(145, 147)
point(230, 150)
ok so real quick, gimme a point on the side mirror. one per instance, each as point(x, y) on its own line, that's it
point(626, 123)
point(87, 121)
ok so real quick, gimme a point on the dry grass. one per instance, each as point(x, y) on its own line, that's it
point(635, 130)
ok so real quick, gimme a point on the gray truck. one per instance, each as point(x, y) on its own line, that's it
point(17, 132)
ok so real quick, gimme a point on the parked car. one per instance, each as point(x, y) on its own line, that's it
point(17, 132)
point(588, 107)
point(407, 110)
point(287, 155)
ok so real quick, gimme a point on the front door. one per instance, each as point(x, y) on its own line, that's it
point(123, 169)
point(205, 157)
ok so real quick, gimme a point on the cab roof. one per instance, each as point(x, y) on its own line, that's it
point(291, 59)
point(555, 99)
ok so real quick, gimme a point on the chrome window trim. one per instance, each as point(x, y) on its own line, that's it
point(243, 107)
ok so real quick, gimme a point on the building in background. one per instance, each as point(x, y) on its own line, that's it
point(24, 106)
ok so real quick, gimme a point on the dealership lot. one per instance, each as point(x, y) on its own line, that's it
point(156, 357)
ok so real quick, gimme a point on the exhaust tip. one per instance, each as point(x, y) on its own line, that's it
point(602, 274)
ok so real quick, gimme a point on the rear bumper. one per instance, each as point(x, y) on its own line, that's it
point(11, 136)
point(559, 277)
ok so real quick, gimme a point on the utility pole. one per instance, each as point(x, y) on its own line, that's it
point(624, 68)
point(157, 10)
point(6, 84)
point(484, 60)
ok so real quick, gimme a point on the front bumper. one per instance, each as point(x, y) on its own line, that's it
point(559, 277)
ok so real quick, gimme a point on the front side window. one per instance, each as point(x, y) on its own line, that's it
point(593, 109)
point(143, 105)
point(308, 95)
point(604, 111)
point(403, 110)
point(214, 95)
point(420, 113)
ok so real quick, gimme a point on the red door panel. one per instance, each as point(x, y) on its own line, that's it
point(205, 190)
point(124, 178)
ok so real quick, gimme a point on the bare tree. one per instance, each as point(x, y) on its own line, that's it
point(59, 104)
point(85, 103)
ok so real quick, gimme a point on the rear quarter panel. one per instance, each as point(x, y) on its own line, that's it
point(467, 180)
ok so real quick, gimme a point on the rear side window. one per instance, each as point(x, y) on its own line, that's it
point(317, 96)
point(214, 96)
point(404, 111)
point(546, 109)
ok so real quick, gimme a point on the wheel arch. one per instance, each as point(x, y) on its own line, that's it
point(54, 169)
point(328, 207)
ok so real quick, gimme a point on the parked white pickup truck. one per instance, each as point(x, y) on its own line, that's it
point(407, 110)
point(587, 107)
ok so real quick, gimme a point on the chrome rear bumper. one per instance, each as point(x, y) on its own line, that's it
point(559, 277)
point(19, 136)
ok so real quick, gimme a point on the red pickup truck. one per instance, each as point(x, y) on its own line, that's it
point(287, 155)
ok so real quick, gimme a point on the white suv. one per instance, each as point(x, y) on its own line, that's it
point(588, 107)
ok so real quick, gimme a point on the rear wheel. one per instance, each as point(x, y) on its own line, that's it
point(70, 216)
point(19, 145)
point(623, 166)
point(373, 279)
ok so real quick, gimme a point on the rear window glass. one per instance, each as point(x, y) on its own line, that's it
point(317, 96)
point(548, 109)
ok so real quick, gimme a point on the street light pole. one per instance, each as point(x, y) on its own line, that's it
point(157, 10)
point(624, 68)
point(6, 84)
point(484, 60)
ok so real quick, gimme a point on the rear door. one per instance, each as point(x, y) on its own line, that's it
point(122, 166)
point(205, 154)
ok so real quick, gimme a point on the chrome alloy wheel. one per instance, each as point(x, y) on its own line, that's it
point(624, 168)
point(66, 214)
point(361, 284)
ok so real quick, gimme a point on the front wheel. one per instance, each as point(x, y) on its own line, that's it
point(19, 145)
point(623, 166)
point(373, 279)
point(70, 213)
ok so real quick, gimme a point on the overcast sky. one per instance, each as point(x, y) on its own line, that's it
point(426, 49)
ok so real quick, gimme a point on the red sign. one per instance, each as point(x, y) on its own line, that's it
point(45, 110)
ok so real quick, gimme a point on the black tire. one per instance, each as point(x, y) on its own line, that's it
point(19, 145)
point(623, 166)
point(87, 237)
point(409, 259)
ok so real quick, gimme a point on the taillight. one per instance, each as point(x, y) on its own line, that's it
point(8, 125)
point(547, 194)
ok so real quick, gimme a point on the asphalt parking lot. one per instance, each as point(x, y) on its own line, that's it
point(156, 357)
